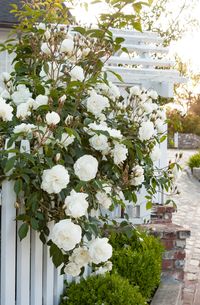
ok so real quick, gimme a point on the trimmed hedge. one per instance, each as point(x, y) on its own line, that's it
point(194, 161)
point(138, 259)
point(107, 290)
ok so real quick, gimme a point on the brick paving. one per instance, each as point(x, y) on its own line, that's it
point(188, 215)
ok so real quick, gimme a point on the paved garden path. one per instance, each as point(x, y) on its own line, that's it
point(188, 215)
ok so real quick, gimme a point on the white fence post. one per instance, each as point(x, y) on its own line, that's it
point(23, 254)
point(8, 242)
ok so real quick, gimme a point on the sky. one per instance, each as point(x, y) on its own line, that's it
point(188, 48)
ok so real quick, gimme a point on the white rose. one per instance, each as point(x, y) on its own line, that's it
point(40, 100)
point(100, 250)
point(94, 126)
point(23, 110)
point(52, 118)
point(55, 179)
point(103, 269)
point(138, 175)
point(77, 73)
point(24, 128)
point(161, 114)
point(66, 139)
point(119, 153)
point(80, 256)
point(6, 76)
point(96, 103)
point(63, 98)
point(66, 235)
point(76, 204)
point(149, 107)
point(5, 111)
point(146, 131)
point(86, 51)
point(135, 90)
point(104, 199)
point(5, 94)
point(86, 167)
point(45, 48)
point(160, 126)
point(115, 133)
point(67, 46)
point(41, 26)
point(155, 154)
point(99, 142)
point(153, 94)
point(72, 269)
point(21, 95)
point(47, 34)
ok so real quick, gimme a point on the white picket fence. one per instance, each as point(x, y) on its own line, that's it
point(28, 276)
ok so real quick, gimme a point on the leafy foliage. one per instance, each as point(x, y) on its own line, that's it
point(194, 160)
point(107, 290)
point(137, 258)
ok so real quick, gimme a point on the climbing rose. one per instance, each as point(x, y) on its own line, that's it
point(146, 131)
point(5, 111)
point(66, 235)
point(99, 142)
point(100, 250)
point(67, 46)
point(86, 167)
point(119, 153)
point(96, 103)
point(52, 118)
point(72, 269)
point(155, 154)
point(76, 204)
point(55, 179)
point(137, 175)
point(77, 73)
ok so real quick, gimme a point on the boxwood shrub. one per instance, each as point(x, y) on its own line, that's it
point(102, 289)
point(138, 258)
point(194, 161)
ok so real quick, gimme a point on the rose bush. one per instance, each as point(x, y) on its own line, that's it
point(90, 148)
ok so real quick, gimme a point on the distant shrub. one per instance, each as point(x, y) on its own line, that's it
point(138, 259)
point(102, 290)
point(194, 161)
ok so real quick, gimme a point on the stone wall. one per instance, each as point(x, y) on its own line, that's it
point(187, 141)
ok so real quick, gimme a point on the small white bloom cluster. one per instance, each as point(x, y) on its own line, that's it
point(148, 113)
point(67, 235)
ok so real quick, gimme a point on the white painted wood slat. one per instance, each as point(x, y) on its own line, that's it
point(139, 61)
point(36, 268)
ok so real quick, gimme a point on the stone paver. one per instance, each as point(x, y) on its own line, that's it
point(188, 215)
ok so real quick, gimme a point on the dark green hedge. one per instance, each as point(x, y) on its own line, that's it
point(138, 259)
point(106, 290)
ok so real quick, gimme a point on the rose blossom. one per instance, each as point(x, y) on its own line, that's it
point(99, 142)
point(21, 95)
point(40, 100)
point(76, 204)
point(66, 235)
point(52, 118)
point(77, 73)
point(72, 269)
point(5, 111)
point(155, 154)
point(104, 199)
point(55, 179)
point(86, 167)
point(100, 250)
point(138, 175)
point(66, 139)
point(119, 153)
point(146, 131)
point(96, 103)
point(25, 128)
point(67, 46)
point(80, 256)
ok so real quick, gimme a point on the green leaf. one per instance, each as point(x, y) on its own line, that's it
point(23, 230)
point(56, 254)
point(18, 186)
point(9, 164)
point(148, 205)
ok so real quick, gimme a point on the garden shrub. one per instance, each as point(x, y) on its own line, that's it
point(194, 161)
point(138, 259)
point(102, 289)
